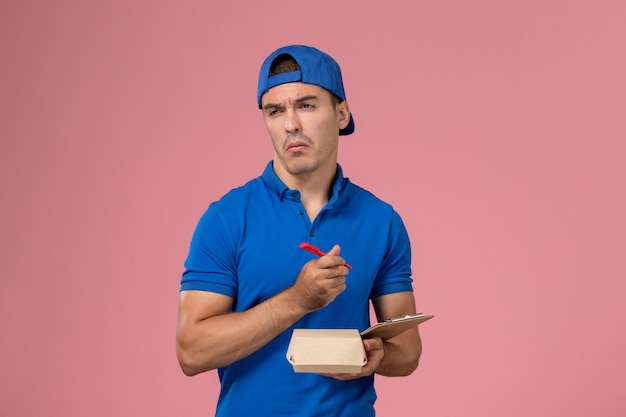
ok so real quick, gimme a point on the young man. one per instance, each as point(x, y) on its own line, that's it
point(247, 284)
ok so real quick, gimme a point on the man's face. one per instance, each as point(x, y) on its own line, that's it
point(303, 122)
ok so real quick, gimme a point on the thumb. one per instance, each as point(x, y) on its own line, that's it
point(335, 250)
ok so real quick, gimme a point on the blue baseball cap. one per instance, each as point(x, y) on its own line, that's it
point(316, 67)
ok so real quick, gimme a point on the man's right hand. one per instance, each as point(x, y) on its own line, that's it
point(320, 281)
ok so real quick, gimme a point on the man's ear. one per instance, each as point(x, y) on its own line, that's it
point(343, 110)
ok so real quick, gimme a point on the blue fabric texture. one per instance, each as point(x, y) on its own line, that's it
point(246, 246)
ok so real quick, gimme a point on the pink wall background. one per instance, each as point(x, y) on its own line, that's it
point(495, 128)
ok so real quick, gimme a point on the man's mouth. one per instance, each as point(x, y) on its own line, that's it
point(297, 146)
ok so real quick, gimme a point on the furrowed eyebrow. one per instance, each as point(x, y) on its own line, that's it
point(273, 106)
point(306, 98)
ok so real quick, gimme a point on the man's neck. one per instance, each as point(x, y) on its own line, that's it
point(315, 188)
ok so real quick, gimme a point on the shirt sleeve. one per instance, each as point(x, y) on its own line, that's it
point(211, 262)
point(395, 272)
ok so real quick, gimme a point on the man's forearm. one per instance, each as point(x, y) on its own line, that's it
point(220, 340)
point(402, 354)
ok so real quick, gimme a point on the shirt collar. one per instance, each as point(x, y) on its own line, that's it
point(278, 188)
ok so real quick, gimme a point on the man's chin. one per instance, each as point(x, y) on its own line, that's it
point(300, 167)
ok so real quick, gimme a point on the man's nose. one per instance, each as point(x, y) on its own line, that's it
point(292, 121)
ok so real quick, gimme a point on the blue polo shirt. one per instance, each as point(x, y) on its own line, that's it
point(246, 246)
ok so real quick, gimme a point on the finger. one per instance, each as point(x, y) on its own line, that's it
point(375, 343)
point(335, 250)
point(335, 264)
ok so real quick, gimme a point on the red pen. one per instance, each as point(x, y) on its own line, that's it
point(315, 250)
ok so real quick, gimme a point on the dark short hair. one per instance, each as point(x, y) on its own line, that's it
point(284, 63)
